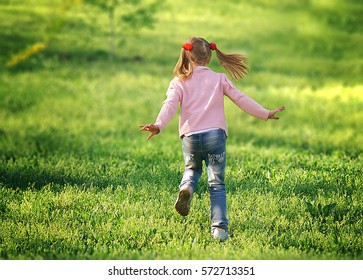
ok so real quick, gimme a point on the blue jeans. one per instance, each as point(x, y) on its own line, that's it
point(209, 147)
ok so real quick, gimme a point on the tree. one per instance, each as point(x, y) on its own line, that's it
point(135, 14)
point(54, 27)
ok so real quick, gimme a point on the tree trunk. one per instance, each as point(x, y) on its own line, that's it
point(112, 38)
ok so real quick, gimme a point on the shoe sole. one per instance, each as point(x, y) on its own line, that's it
point(221, 236)
point(182, 203)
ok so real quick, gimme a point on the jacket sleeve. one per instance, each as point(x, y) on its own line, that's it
point(169, 107)
point(243, 101)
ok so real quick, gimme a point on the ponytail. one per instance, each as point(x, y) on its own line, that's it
point(184, 67)
point(235, 64)
point(198, 51)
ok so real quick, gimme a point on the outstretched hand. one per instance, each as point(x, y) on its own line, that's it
point(272, 113)
point(152, 128)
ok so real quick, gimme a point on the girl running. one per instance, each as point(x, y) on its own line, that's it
point(202, 125)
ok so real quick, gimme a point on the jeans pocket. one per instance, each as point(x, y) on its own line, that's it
point(216, 142)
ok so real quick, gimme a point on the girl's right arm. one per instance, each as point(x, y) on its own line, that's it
point(272, 113)
point(246, 103)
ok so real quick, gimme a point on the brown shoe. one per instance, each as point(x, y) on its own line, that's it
point(182, 204)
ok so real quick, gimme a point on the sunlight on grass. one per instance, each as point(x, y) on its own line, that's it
point(79, 181)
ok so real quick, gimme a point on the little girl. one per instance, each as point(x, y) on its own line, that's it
point(202, 125)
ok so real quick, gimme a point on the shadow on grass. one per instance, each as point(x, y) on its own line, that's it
point(55, 157)
point(26, 177)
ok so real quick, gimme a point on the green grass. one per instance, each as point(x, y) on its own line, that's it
point(79, 181)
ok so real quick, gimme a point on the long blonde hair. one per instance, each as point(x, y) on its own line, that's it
point(200, 54)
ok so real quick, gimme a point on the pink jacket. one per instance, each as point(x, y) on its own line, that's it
point(201, 99)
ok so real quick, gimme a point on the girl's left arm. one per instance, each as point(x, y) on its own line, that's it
point(167, 112)
point(152, 128)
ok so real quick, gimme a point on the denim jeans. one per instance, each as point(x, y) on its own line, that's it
point(209, 147)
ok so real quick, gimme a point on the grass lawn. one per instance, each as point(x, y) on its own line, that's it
point(79, 181)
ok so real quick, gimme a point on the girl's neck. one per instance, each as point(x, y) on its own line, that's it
point(197, 64)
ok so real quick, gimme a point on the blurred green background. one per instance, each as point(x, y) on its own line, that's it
point(77, 177)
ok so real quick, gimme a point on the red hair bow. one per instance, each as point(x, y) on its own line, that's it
point(187, 46)
point(213, 46)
